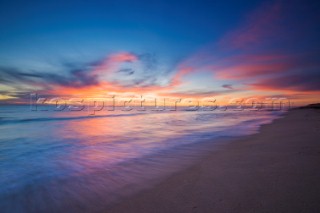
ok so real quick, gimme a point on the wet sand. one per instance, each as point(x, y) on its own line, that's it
point(276, 170)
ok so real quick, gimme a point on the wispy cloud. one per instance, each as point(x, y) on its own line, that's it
point(265, 52)
point(269, 52)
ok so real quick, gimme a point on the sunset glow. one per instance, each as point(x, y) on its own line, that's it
point(270, 50)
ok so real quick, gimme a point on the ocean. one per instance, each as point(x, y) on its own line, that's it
point(55, 160)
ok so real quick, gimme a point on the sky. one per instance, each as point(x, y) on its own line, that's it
point(186, 49)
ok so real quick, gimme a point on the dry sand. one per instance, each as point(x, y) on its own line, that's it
point(276, 170)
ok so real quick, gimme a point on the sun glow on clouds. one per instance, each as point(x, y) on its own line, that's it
point(262, 57)
point(6, 97)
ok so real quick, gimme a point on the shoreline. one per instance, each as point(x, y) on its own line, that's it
point(107, 184)
point(275, 170)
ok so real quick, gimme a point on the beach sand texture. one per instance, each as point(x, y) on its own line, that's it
point(276, 170)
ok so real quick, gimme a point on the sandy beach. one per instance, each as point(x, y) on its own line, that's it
point(276, 170)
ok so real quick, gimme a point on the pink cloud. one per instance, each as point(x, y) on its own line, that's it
point(112, 62)
point(262, 24)
point(292, 82)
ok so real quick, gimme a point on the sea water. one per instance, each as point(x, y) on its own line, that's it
point(51, 161)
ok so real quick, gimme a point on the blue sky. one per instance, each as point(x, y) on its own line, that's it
point(59, 29)
point(41, 41)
